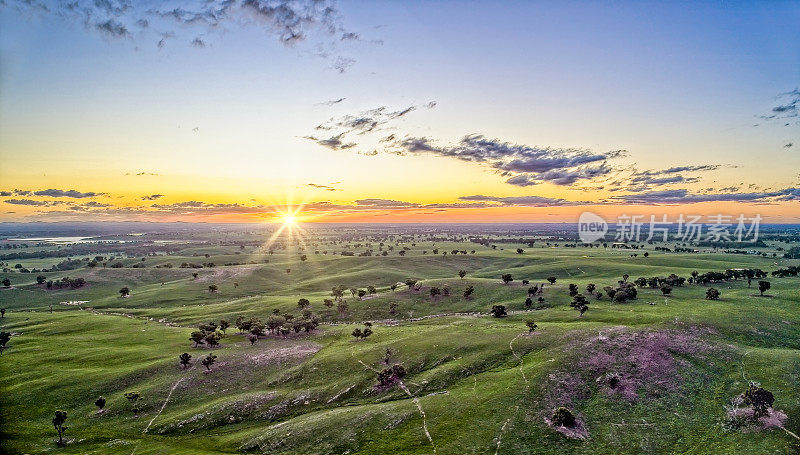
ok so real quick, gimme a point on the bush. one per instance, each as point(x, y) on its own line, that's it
point(563, 417)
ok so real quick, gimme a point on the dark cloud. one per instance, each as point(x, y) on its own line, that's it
point(290, 21)
point(527, 165)
point(788, 107)
point(69, 193)
point(526, 201)
point(25, 202)
point(113, 28)
point(198, 42)
point(5, 193)
point(333, 142)
point(386, 203)
point(152, 197)
point(683, 196)
point(788, 145)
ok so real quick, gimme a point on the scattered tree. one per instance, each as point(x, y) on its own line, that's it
point(763, 286)
point(499, 311)
point(208, 361)
point(551, 279)
point(185, 359)
point(4, 338)
point(468, 291)
point(223, 325)
point(303, 303)
point(759, 398)
point(531, 325)
point(133, 398)
point(58, 423)
point(712, 294)
point(507, 278)
point(100, 402)
point(462, 274)
point(213, 288)
point(124, 292)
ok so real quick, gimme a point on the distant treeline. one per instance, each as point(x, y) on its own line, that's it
point(129, 249)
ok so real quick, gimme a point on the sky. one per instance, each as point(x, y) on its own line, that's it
point(359, 111)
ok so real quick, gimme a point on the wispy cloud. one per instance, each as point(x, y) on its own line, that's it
point(66, 193)
point(289, 21)
point(152, 197)
point(684, 196)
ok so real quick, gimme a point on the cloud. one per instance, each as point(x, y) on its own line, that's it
point(526, 201)
point(152, 197)
point(70, 193)
point(6, 193)
point(683, 196)
point(322, 187)
point(386, 203)
point(333, 142)
point(528, 165)
point(289, 21)
point(365, 121)
point(788, 107)
point(331, 102)
point(95, 204)
point(25, 202)
point(112, 28)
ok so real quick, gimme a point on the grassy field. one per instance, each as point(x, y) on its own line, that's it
point(474, 383)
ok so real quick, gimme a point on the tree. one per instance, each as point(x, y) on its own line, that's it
point(590, 288)
point(759, 398)
point(562, 417)
point(646, 254)
point(213, 288)
point(507, 278)
point(573, 290)
point(531, 325)
point(712, 294)
point(528, 302)
point(223, 325)
point(41, 279)
point(303, 257)
point(303, 303)
point(185, 359)
point(499, 311)
point(4, 338)
point(361, 294)
point(100, 402)
point(194, 275)
point(393, 287)
point(124, 292)
point(208, 361)
point(520, 251)
point(462, 274)
point(666, 290)
point(410, 283)
point(580, 303)
point(2, 312)
point(434, 291)
point(551, 279)
point(341, 307)
point(625, 277)
point(393, 308)
point(763, 286)
point(133, 398)
point(197, 337)
point(252, 338)
point(468, 291)
point(58, 423)
point(371, 289)
point(6, 282)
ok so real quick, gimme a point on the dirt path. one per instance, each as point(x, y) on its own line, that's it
point(174, 386)
point(421, 413)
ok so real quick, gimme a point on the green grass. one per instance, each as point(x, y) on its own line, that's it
point(312, 393)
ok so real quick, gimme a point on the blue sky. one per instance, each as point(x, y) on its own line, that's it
point(672, 83)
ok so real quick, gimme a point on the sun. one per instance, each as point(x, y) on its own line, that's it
point(289, 220)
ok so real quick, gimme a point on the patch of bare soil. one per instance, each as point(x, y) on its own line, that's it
point(625, 364)
point(578, 431)
point(298, 351)
point(222, 274)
